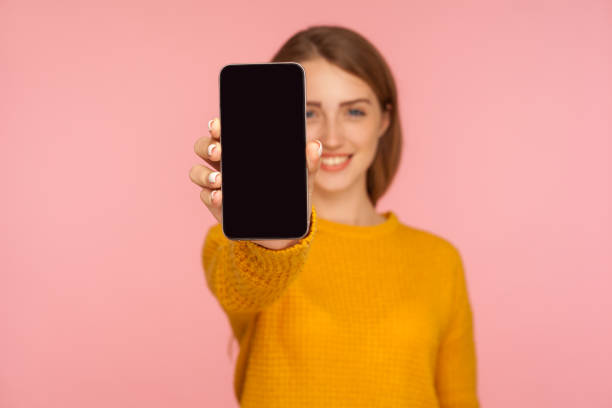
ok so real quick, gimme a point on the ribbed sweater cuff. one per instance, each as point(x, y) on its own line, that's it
point(270, 269)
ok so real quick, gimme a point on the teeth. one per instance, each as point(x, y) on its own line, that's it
point(332, 161)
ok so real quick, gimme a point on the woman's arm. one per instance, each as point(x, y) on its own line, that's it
point(456, 367)
point(246, 277)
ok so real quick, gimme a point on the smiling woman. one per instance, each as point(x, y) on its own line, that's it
point(351, 117)
point(364, 311)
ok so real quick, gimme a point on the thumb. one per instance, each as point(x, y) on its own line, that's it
point(314, 150)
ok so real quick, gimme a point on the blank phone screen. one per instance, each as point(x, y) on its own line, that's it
point(263, 151)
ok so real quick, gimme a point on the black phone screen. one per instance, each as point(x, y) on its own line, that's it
point(263, 151)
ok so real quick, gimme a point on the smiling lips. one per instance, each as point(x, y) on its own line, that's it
point(335, 162)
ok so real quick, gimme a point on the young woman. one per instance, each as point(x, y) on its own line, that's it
point(364, 310)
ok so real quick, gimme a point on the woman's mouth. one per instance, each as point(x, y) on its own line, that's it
point(335, 163)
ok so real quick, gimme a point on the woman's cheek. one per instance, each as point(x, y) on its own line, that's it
point(365, 139)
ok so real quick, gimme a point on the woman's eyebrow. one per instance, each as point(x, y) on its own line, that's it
point(316, 103)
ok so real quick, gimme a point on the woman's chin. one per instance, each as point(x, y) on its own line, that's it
point(332, 186)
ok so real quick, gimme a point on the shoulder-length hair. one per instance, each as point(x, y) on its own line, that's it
point(355, 54)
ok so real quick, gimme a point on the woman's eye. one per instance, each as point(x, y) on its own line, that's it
point(357, 111)
point(308, 114)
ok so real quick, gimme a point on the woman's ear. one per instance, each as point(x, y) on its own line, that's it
point(385, 120)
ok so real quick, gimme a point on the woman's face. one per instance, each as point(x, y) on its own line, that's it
point(342, 112)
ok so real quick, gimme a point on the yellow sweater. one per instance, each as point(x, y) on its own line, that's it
point(351, 316)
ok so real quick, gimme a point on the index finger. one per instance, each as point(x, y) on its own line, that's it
point(214, 128)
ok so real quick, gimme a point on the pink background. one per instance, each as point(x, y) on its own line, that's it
point(506, 109)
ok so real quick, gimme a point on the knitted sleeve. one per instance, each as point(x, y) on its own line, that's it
point(246, 277)
point(456, 366)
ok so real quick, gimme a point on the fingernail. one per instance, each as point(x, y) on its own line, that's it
point(212, 177)
point(211, 147)
point(320, 151)
point(210, 124)
point(212, 195)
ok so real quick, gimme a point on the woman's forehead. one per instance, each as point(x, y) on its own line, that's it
point(329, 85)
point(321, 71)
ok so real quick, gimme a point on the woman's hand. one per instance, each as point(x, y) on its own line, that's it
point(209, 149)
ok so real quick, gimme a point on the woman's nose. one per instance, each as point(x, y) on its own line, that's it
point(331, 137)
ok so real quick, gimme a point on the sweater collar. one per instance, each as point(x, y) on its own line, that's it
point(360, 231)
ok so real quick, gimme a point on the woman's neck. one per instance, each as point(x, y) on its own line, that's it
point(351, 206)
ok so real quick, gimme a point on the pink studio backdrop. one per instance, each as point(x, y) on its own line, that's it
point(506, 110)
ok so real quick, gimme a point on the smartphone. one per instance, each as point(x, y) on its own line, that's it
point(264, 171)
